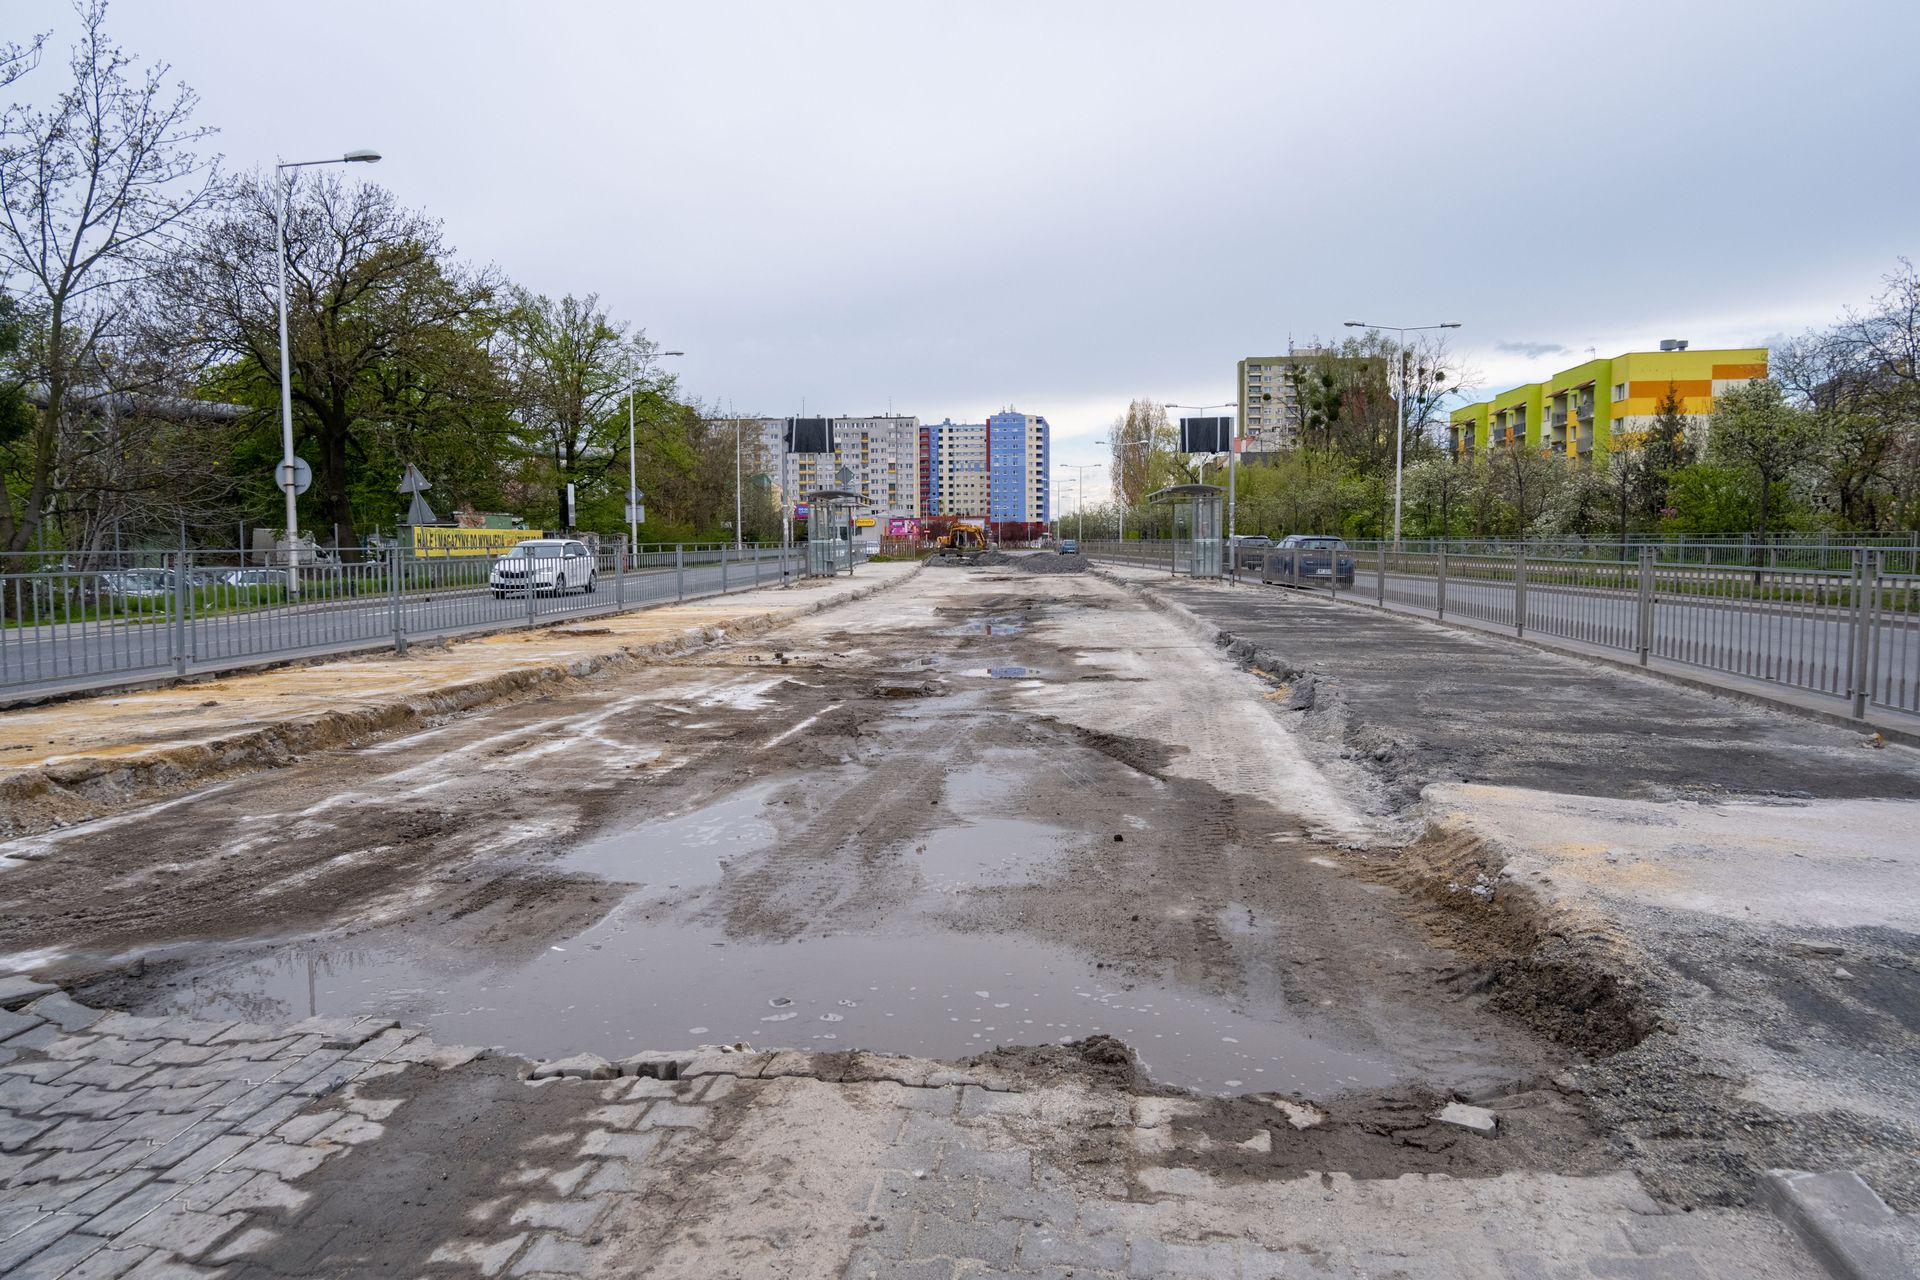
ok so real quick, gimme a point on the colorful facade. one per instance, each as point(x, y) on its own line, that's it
point(1583, 410)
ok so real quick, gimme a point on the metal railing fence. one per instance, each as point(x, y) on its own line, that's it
point(1850, 633)
point(1781, 551)
point(154, 613)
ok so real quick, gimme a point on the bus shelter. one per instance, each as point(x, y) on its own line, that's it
point(830, 531)
point(1197, 545)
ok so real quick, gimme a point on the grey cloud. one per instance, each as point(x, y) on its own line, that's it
point(1532, 350)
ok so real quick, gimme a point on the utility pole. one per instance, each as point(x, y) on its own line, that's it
point(1400, 402)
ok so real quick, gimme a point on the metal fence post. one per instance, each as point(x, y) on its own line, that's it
point(723, 568)
point(679, 571)
point(182, 576)
point(1859, 678)
point(393, 598)
point(1440, 584)
point(533, 588)
point(1520, 592)
point(1380, 581)
point(1643, 618)
point(620, 576)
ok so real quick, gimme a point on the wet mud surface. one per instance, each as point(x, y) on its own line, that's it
point(1042, 840)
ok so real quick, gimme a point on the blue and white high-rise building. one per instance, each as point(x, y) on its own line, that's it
point(1019, 463)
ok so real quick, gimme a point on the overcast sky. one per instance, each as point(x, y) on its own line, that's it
point(950, 208)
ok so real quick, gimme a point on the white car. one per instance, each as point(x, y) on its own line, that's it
point(544, 565)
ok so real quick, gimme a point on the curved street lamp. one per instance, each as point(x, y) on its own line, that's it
point(287, 478)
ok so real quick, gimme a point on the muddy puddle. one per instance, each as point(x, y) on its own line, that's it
point(648, 978)
point(622, 987)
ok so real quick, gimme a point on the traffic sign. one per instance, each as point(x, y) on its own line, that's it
point(302, 475)
point(636, 513)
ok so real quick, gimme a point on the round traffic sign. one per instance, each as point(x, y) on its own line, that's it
point(302, 475)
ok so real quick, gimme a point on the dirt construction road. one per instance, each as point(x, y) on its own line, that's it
point(968, 819)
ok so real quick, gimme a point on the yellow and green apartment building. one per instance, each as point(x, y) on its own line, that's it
point(1591, 405)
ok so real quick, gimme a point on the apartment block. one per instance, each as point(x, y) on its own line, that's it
point(882, 452)
point(953, 468)
point(1019, 463)
point(1269, 404)
point(1592, 405)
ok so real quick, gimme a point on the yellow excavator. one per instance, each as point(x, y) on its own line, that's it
point(963, 541)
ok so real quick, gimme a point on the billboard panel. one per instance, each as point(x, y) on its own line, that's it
point(809, 435)
point(1205, 435)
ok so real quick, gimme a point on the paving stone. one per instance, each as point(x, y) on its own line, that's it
point(16, 989)
point(56, 1259)
point(261, 1109)
point(64, 1010)
point(106, 1075)
point(89, 1100)
point(17, 1131)
point(1478, 1119)
point(487, 1259)
point(573, 1217)
point(49, 1197)
point(248, 1032)
point(975, 1101)
point(175, 1053)
point(990, 1242)
point(14, 1168)
point(213, 1186)
point(12, 1023)
point(1045, 1246)
point(282, 1159)
point(903, 1191)
point(1027, 1205)
point(747, 1066)
point(306, 1126)
point(27, 1241)
point(611, 1176)
point(442, 1057)
point(35, 1038)
point(128, 1026)
point(161, 1265)
point(553, 1255)
point(110, 1264)
point(619, 1115)
point(185, 1232)
point(1007, 1168)
point(107, 1048)
point(867, 1265)
point(351, 1131)
point(76, 1134)
point(195, 1030)
point(213, 1155)
point(1153, 1259)
point(382, 1045)
point(130, 1208)
point(664, 1115)
point(173, 1098)
point(109, 1193)
point(61, 1165)
point(41, 1070)
point(156, 1127)
point(624, 1146)
point(263, 1191)
point(646, 1089)
point(72, 1046)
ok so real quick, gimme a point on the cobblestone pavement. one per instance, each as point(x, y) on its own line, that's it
point(167, 1147)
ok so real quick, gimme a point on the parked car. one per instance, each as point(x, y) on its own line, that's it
point(137, 584)
point(261, 578)
point(544, 565)
point(1069, 547)
point(1306, 558)
point(1250, 550)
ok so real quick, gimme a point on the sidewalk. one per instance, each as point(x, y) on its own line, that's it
point(71, 760)
point(1806, 702)
point(150, 1148)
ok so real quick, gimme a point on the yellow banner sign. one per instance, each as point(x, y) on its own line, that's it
point(863, 522)
point(437, 540)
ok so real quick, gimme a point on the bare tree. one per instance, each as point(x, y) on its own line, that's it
point(1136, 435)
point(91, 191)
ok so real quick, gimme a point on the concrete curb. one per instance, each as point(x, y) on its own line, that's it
point(78, 789)
point(1845, 1224)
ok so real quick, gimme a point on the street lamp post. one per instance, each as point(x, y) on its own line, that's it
point(633, 469)
point(1120, 499)
point(288, 482)
point(1080, 470)
point(1400, 404)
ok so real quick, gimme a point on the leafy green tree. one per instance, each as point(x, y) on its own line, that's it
point(1707, 498)
point(1756, 430)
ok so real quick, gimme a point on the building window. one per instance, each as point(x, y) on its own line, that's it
point(1619, 392)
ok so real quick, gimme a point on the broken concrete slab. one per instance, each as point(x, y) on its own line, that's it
point(581, 1066)
point(1478, 1119)
point(16, 989)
